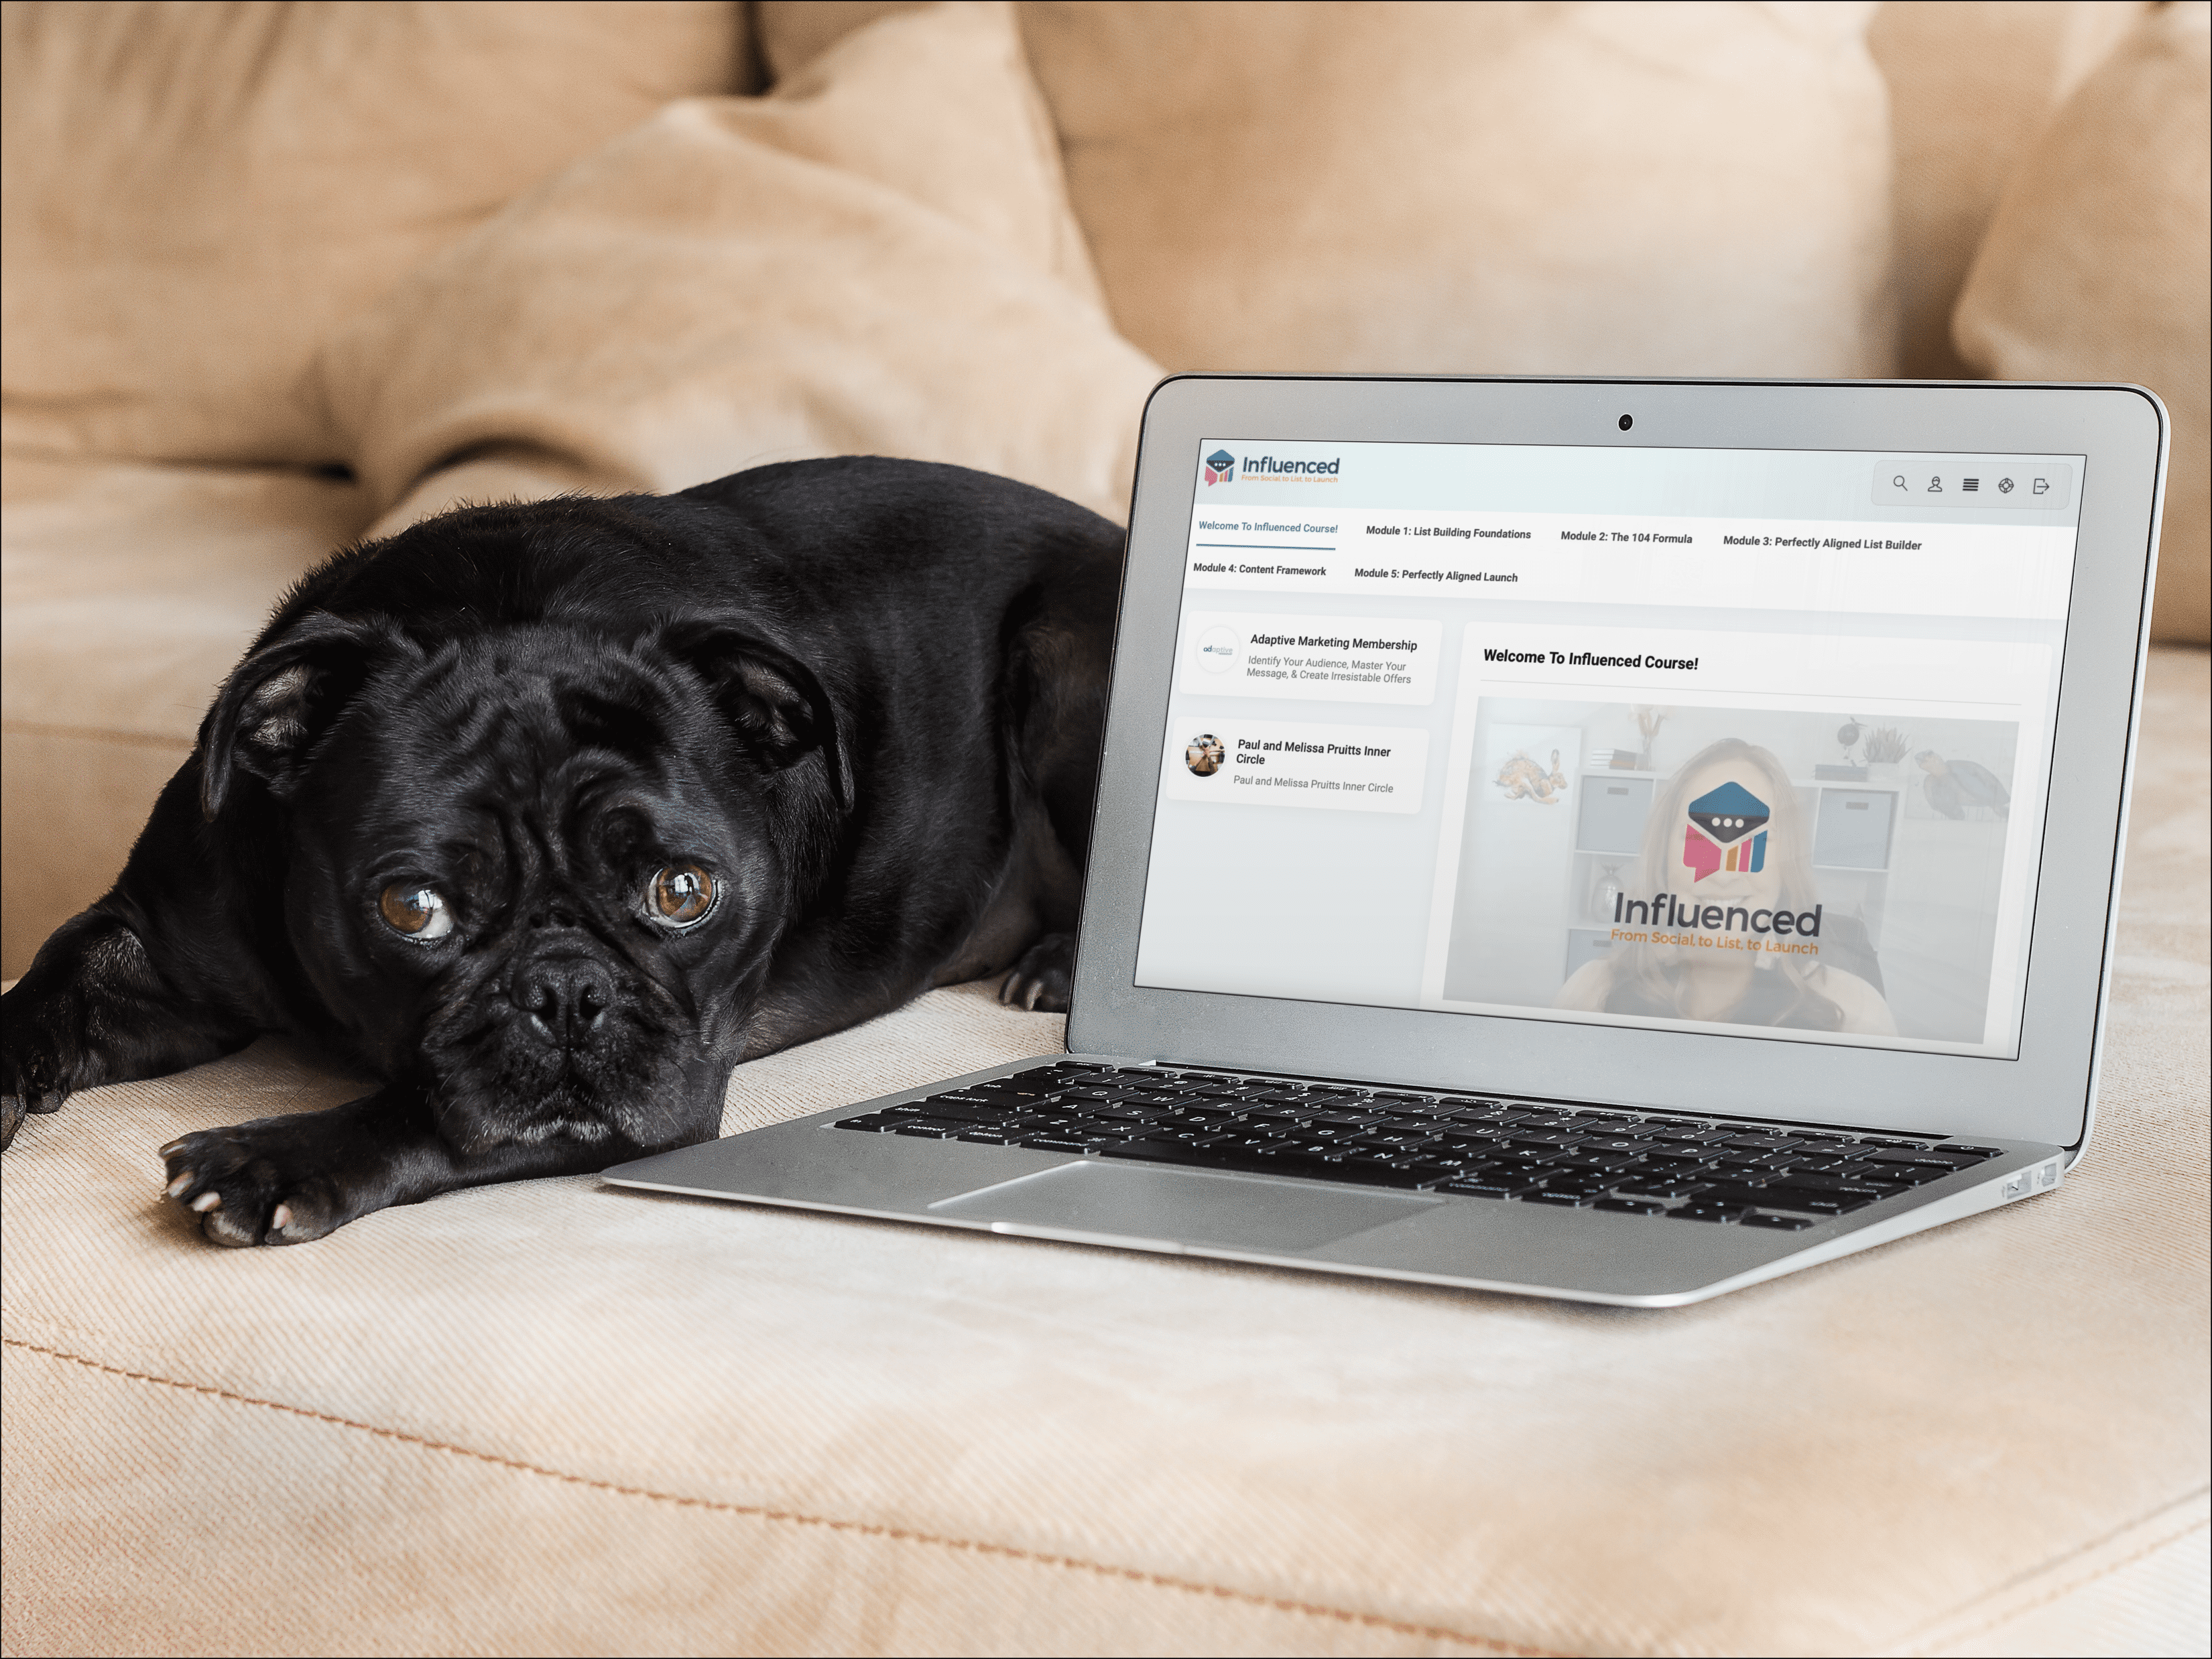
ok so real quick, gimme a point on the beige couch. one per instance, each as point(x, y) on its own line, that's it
point(278, 277)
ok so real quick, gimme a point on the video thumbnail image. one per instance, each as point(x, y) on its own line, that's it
point(1810, 871)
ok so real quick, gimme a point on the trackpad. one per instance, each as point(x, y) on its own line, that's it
point(1244, 1212)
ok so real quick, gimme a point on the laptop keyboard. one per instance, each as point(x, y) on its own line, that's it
point(1527, 1151)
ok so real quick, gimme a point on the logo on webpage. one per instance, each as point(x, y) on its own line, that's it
point(1220, 467)
point(1719, 820)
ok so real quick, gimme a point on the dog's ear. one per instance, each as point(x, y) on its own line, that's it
point(774, 699)
point(279, 702)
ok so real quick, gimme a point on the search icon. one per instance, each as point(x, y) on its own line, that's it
point(1898, 480)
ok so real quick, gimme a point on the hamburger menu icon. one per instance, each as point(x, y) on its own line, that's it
point(1726, 816)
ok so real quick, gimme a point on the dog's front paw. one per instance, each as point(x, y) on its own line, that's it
point(42, 1054)
point(1043, 978)
point(271, 1181)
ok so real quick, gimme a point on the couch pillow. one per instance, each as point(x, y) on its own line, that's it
point(878, 259)
point(196, 194)
point(2099, 267)
point(1972, 83)
point(1700, 188)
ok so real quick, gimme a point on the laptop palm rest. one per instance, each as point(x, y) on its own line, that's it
point(1244, 1212)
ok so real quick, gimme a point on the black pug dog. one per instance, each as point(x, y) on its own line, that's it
point(548, 815)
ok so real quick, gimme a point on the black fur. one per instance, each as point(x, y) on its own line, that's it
point(865, 695)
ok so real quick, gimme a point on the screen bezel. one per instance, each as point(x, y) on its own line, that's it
point(2046, 1093)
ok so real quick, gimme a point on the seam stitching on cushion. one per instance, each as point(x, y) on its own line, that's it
point(97, 734)
point(865, 1529)
point(2047, 1598)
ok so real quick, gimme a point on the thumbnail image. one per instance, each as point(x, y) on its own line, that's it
point(1812, 871)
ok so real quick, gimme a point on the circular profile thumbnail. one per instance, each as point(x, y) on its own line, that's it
point(1203, 754)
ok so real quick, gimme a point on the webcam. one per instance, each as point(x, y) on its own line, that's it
point(1626, 422)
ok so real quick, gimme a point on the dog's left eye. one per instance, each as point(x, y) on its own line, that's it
point(679, 896)
point(417, 913)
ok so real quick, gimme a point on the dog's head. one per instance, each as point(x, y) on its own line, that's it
point(537, 869)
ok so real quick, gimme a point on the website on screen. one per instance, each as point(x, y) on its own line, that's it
point(1752, 741)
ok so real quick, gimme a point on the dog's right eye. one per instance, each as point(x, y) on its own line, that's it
point(415, 913)
point(679, 897)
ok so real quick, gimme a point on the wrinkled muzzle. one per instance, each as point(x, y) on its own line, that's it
point(563, 1039)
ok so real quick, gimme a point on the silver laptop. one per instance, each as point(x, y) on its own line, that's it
point(1613, 840)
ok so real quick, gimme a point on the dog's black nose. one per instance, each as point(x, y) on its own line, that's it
point(566, 998)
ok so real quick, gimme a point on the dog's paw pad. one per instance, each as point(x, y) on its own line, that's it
point(254, 1184)
point(1043, 979)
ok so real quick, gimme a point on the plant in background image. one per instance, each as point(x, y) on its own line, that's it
point(1649, 720)
point(1885, 745)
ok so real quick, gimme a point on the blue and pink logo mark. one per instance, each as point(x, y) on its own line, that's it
point(1220, 467)
point(1720, 819)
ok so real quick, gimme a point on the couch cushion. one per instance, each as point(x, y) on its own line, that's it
point(1586, 188)
point(196, 195)
point(127, 591)
point(557, 1415)
point(2098, 266)
point(838, 269)
point(1582, 188)
point(1973, 84)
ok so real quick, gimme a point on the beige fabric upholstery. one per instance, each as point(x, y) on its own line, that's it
point(1614, 188)
point(557, 1417)
point(1605, 188)
point(127, 590)
point(197, 194)
point(794, 33)
point(2098, 266)
point(1973, 84)
point(835, 270)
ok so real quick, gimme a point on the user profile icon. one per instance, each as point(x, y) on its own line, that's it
point(1204, 754)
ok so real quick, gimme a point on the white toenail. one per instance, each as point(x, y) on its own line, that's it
point(176, 1188)
point(281, 1216)
point(207, 1201)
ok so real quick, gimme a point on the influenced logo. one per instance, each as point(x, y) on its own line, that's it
point(1220, 467)
point(1719, 820)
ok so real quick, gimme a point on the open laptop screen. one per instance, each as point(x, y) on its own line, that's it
point(1742, 741)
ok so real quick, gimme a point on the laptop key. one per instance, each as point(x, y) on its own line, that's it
point(1628, 1205)
point(1497, 1186)
point(1944, 1159)
point(1662, 1188)
point(961, 1111)
point(1776, 1196)
point(1788, 1224)
point(1836, 1204)
point(1586, 1157)
point(1705, 1212)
